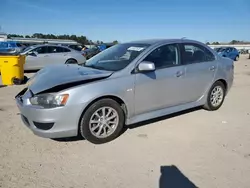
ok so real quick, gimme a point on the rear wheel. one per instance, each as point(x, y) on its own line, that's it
point(71, 61)
point(102, 122)
point(215, 96)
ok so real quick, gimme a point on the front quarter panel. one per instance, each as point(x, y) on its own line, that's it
point(121, 87)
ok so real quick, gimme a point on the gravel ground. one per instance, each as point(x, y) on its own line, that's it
point(191, 149)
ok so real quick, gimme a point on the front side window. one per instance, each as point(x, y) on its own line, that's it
point(164, 56)
point(195, 53)
point(117, 57)
point(41, 50)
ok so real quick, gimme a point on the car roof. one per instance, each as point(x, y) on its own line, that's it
point(54, 45)
point(156, 41)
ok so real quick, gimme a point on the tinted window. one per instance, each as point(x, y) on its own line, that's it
point(164, 56)
point(66, 50)
point(18, 45)
point(195, 53)
point(41, 50)
point(56, 49)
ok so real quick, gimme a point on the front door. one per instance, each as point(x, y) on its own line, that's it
point(36, 60)
point(163, 87)
point(201, 66)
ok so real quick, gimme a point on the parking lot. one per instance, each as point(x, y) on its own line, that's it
point(195, 148)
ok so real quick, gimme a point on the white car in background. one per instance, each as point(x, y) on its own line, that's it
point(39, 56)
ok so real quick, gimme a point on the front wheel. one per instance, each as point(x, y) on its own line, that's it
point(102, 122)
point(216, 96)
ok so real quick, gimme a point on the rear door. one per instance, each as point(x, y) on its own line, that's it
point(56, 55)
point(201, 65)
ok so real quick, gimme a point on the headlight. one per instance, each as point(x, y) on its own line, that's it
point(49, 100)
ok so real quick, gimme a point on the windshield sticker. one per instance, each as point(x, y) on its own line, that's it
point(138, 49)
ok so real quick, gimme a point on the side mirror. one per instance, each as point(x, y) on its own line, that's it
point(32, 53)
point(146, 66)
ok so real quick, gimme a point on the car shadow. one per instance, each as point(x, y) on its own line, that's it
point(31, 71)
point(172, 177)
point(69, 139)
point(133, 126)
point(147, 122)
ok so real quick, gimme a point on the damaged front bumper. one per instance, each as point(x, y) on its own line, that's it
point(56, 122)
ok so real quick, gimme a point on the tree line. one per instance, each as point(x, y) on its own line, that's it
point(232, 42)
point(80, 39)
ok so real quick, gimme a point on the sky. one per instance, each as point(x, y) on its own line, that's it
point(127, 20)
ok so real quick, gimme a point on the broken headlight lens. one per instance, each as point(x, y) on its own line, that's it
point(49, 100)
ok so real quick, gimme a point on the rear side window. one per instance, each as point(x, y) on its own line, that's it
point(66, 50)
point(195, 53)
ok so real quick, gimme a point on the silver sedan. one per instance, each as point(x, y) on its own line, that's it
point(39, 56)
point(123, 85)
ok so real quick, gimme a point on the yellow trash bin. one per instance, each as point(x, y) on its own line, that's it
point(12, 69)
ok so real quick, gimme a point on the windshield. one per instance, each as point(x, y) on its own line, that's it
point(117, 57)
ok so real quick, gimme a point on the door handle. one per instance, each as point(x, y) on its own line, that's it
point(46, 56)
point(179, 74)
point(212, 68)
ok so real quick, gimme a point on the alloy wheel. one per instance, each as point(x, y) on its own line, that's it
point(216, 96)
point(103, 122)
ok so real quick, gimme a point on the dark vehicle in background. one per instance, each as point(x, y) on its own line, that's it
point(229, 52)
point(90, 52)
point(11, 47)
point(244, 51)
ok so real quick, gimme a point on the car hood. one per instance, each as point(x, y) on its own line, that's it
point(57, 75)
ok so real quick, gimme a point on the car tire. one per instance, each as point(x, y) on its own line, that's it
point(237, 58)
point(97, 127)
point(216, 96)
point(71, 61)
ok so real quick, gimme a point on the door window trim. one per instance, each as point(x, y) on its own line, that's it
point(182, 46)
point(178, 45)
